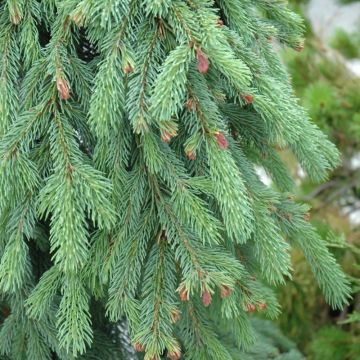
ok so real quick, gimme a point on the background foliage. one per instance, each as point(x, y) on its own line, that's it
point(331, 93)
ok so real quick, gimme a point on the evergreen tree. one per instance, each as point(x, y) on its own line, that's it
point(131, 207)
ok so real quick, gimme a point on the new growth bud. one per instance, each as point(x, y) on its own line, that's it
point(63, 88)
point(183, 293)
point(225, 291)
point(139, 347)
point(203, 62)
point(206, 298)
point(248, 99)
point(174, 355)
point(221, 140)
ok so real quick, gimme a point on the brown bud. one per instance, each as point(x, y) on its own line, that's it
point(307, 217)
point(191, 155)
point(206, 298)
point(139, 347)
point(203, 62)
point(175, 316)
point(128, 69)
point(174, 355)
point(251, 308)
point(262, 306)
point(248, 99)
point(166, 136)
point(190, 104)
point(63, 88)
point(225, 291)
point(15, 18)
point(220, 23)
point(78, 18)
point(221, 140)
point(183, 293)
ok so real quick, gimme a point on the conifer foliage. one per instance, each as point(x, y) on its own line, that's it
point(130, 133)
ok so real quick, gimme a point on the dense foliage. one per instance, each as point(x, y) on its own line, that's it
point(130, 132)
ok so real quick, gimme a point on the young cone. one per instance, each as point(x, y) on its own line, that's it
point(203, 62)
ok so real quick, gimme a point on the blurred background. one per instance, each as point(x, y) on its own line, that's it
point(326, 78)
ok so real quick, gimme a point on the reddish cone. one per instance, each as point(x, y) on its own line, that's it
point(225, 291)
point(166, 136)
point(221, 140)
point(175, 316)
point(220, 23)
point(249, 99)
point(191, 155)
point(206, 298)
point(190, 104)
point(183, 293)
point(203, 62)
point(174, 355)
point(262, 306)
point(128, 69)
point(139, 347)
